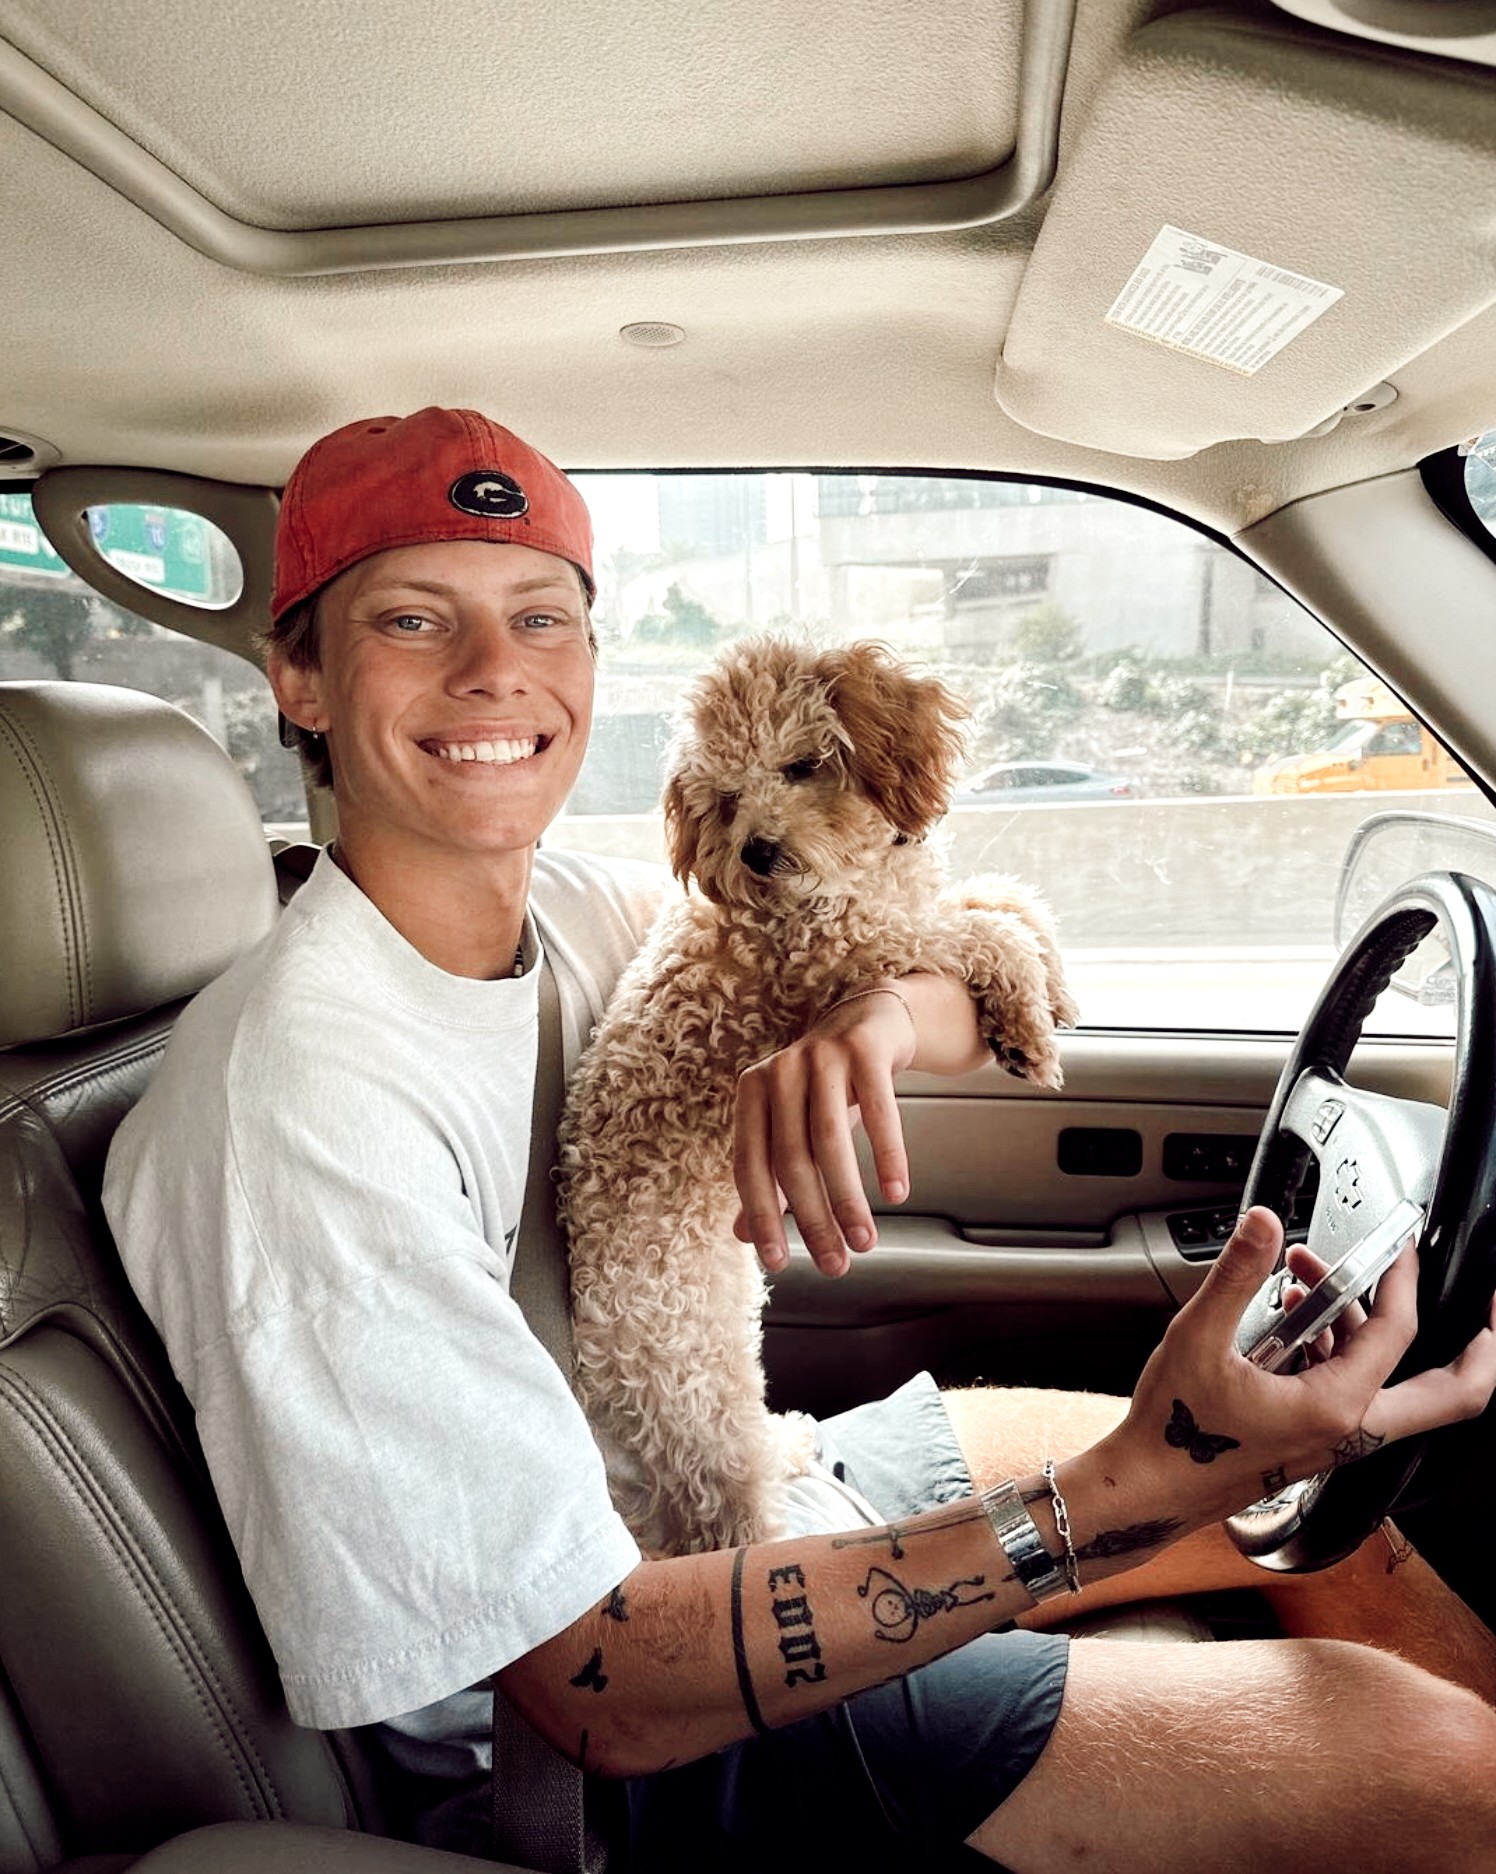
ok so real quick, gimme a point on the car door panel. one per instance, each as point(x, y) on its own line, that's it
point(1003, 1266)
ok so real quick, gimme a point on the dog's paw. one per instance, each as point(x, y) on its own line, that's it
point(1040, 1064)
point(796, 1437)
point(1063, 1005)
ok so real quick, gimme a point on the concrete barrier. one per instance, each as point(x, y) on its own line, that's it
point(1253, 870)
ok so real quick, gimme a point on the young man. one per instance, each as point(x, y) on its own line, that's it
point(317, 1202)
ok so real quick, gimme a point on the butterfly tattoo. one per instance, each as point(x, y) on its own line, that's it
point(1185, 1435)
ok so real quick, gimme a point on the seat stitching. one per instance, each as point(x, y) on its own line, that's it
point(82, 1480)
point(32, 770)
point(15, 1100)
point(70, 1076)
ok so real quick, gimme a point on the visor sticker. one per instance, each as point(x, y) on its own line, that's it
point(489, 493)
point(1200, 297)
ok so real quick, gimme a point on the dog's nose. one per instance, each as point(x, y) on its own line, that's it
point(759, 856)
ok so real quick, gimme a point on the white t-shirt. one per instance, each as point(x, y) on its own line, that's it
point(316, 1200)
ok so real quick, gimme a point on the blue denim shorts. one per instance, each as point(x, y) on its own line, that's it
point(893, 1778)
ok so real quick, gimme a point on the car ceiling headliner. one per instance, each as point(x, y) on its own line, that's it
point(977, 348)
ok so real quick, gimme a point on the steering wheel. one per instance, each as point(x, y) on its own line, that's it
point(1373, 1152)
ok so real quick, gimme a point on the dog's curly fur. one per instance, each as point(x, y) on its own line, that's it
point(797, 797)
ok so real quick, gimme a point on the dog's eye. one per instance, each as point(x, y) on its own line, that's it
point(802, 769)
point(727, 806)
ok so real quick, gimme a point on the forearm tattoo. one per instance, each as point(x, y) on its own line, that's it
point(1133, 1540)
point(1185, 1435)
point(897, 1534)
point(592, 1675)
point(740, 1651)
point(798, 1645)
point(616, 1606)
point(897, 1610)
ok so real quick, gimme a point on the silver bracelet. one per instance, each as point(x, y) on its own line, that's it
point(1037, 1571)
point(1062, 1524)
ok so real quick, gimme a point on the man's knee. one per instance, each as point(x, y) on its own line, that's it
point(1435, 1750)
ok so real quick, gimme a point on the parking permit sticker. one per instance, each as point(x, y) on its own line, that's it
point(1199, 297)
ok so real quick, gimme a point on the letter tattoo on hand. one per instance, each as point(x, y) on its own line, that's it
point(1185, 1435)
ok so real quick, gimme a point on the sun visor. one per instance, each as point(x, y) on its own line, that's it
point(1195, 280)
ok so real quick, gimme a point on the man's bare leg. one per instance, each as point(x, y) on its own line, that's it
point(1299, 1755)
point(1403, 1608)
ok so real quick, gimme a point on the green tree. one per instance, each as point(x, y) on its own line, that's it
point(1046, 634)
point(683, 621)
point(1025, 708)
point(58, 623)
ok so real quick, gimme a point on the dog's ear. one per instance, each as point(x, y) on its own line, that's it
point(682, 830)
point(905, 733)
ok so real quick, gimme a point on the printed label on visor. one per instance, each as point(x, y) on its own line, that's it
point(1210, 301)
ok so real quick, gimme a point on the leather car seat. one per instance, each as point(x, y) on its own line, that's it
point(138, 1698)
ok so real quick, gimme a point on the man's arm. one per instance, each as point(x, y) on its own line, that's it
point(796, 1110)
point(692, 1653)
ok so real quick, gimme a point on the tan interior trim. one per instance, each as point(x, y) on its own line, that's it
point(34, 98)
point(1414, 599)
point(61, 498)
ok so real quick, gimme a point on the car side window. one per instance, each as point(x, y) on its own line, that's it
point(1396, 738)
point(54, 626)
point(1218, 746)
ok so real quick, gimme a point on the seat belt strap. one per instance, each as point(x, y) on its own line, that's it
point(539, 1818)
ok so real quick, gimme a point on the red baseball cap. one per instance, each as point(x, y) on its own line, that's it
point(391, 481)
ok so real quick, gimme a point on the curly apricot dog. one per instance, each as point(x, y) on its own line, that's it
point(797, 797)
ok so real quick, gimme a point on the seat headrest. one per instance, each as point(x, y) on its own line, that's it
point(135, 865)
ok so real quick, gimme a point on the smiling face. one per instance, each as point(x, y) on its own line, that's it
point(454, 686)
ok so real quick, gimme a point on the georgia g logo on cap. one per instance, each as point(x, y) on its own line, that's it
point(490, 494)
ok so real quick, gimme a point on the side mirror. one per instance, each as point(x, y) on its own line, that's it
point(1387, 850)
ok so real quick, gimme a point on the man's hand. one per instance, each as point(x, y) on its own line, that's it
point(1221, 1433)
point(796, 1109)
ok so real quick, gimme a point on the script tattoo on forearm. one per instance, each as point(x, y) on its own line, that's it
point(1359, 1444)
point(897, 1610)
point(1132, 1540)
point(798, 1645)
point(1185, 1435)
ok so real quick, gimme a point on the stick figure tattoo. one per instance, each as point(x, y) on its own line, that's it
point(897, 1610)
